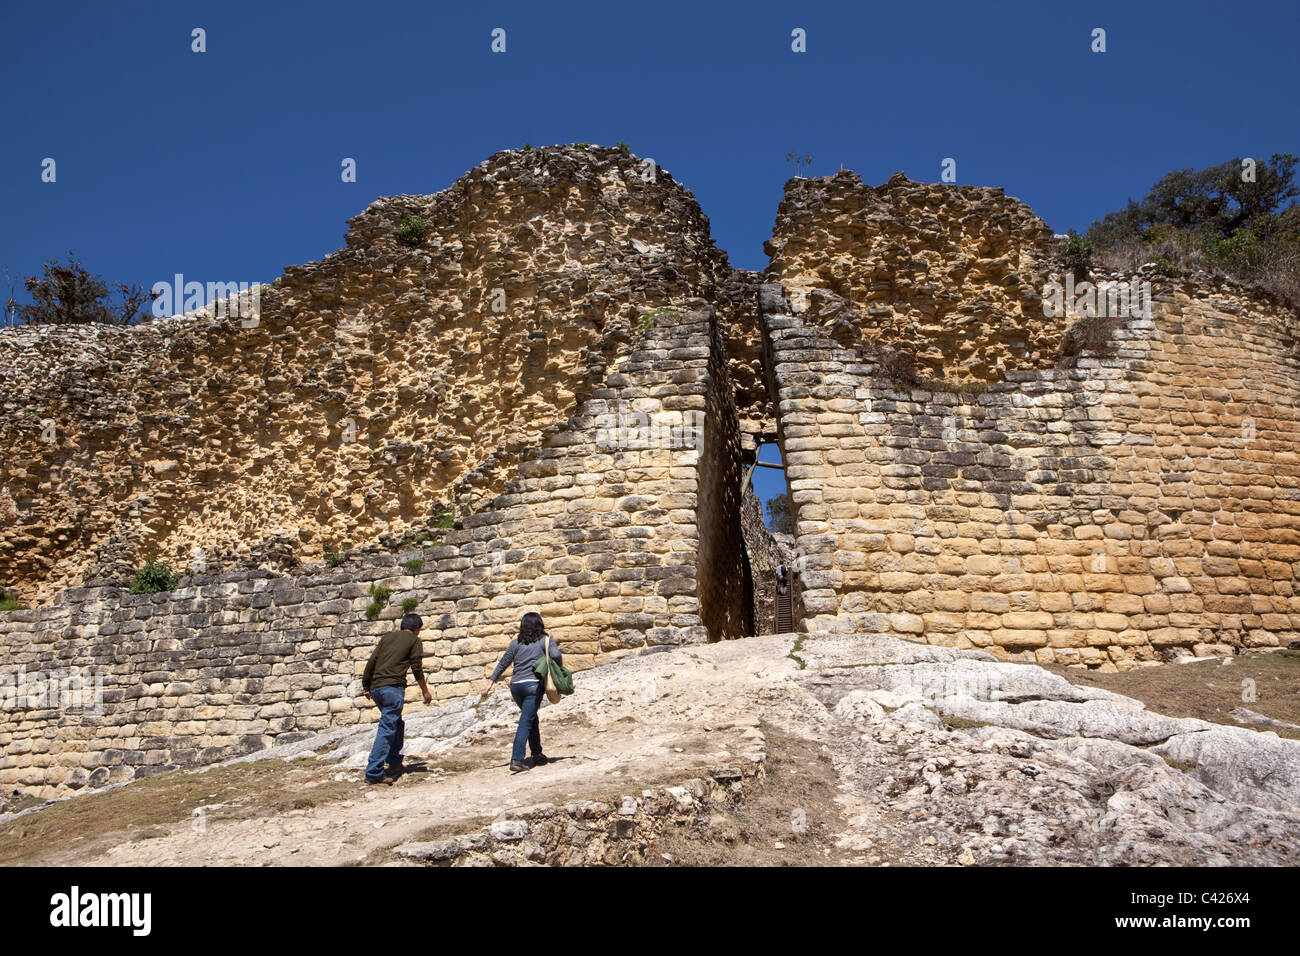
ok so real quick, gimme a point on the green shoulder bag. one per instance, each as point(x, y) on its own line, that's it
point(557, 678)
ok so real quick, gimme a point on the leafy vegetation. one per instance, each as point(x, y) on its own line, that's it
point(409, 605)
point(379, 596)
point(647, 319)
point(414, 566)
point(1232, 218)
point(66, 294)
point(334, 558)
point(153, 578)
point(778, 514)
point(1076, 253)
point(411, 231)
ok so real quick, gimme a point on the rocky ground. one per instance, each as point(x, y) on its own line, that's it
point(847, 749)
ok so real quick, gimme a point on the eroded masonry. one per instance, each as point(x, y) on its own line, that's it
point(551, 402)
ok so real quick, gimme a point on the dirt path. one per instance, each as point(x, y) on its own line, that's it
point(859, 750)
point(675, 717)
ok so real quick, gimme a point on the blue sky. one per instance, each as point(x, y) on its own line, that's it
point(225, 165)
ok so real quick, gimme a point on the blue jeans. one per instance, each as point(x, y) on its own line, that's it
point(529, 698)
point(391, 733)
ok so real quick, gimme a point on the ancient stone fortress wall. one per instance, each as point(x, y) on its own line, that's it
point(1122, 506)
point(599, 534)
point(375, 386)
point(1132, 505)
point(950, 275)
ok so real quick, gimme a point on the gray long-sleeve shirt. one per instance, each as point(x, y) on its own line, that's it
point(524, 656)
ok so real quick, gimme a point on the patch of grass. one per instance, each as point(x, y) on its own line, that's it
point(445, 519)
point(794, 804)
point(414, 566)
point(409, 605)
point(444, 831)
point(794, 652)
point(153, 578)
point(72, 829)
point(646, 319)
point(334, 558)
point(1209, 690)
point(624, 148)
point(9, 601)
point(1090, 334)
point(961, 723)
point(1186, 766)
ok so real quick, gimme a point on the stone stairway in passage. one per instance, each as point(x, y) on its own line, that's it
point(784, 612)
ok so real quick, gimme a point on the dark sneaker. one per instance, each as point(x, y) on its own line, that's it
point(541, 760)
point(387, 781)
point(518, 766)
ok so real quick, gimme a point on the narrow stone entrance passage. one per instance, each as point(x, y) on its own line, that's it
point(765, 521)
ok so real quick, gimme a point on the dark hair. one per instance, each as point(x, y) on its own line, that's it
point(531, 628)
point(411, 622)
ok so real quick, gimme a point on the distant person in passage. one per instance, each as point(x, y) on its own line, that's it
point(384, 682)
point(782, 578)
point(524, 652)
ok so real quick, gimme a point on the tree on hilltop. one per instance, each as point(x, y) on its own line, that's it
point(66, 294)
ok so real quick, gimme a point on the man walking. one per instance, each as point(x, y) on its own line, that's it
point(384, 682)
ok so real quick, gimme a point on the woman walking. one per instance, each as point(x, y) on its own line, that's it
point(524, 652)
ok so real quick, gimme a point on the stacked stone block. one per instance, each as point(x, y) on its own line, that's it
point(1131, 508)
point(599, 534)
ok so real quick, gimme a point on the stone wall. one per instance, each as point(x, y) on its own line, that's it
point(1139, 502)
point(950, 275)
point(1132, 507)
point(724, 577)
point(377, 387)
point(599, 534)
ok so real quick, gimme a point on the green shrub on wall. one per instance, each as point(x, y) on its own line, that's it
point(411, 231)
point(1076, 252)
point(153, 578)
point(379, 596)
